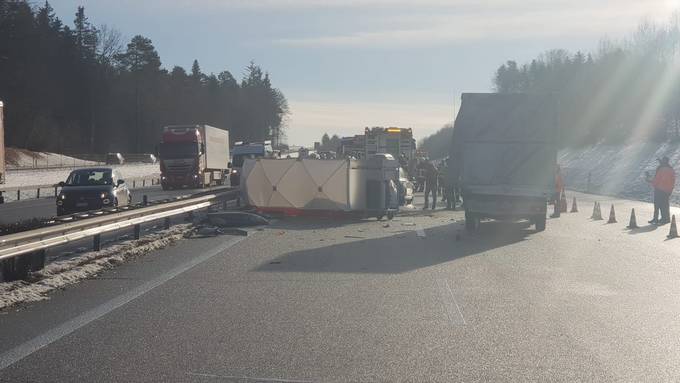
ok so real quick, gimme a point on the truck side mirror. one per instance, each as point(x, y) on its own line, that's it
point(61, 184)
point(120, 182)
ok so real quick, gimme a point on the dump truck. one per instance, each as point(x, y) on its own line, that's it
point(2, 146)
point(193, 156)
point(504, 156)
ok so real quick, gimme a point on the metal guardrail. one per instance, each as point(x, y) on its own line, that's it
point(25, 251)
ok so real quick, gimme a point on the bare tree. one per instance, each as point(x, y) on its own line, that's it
point(110, 43)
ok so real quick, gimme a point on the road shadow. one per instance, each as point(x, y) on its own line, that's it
point(642, 229)
point(401, 252)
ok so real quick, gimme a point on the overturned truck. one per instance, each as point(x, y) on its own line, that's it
point(308, 187)
point(504, 154)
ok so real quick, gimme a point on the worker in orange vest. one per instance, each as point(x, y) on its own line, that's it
point(663, 183)
point(559, 187)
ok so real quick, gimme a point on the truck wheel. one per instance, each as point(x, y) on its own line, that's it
point(390, 215)
point(539, 221)
point(471, 221)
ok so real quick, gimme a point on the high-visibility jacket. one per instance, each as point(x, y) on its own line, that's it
point(664, 179)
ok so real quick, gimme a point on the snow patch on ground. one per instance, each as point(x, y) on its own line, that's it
point(22, 158)
point(617, 170)
point(25, 178)
point(61, 273)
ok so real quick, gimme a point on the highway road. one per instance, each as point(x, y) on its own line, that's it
point(415, 299)
point(45, 207)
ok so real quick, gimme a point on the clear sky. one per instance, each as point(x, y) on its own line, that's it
point(346, 64)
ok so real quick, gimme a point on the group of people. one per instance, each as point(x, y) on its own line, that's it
point(437, 180)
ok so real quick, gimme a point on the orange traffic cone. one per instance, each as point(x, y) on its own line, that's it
point(612, 216)
point(674, 229)
point(574, 208)
point(563, 203)
point(597, 214)
point(633, 222)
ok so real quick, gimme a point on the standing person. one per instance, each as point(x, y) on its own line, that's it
point(451, 184)
point(663, 183)
point(559, 186)
point(431, 176)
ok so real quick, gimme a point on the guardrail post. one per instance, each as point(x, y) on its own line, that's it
point(166, 223)
point(224, 204)
point(97, 242)
point(133, 184)
point(55, 191)
point(18, 194)
point(37, 194)
point(2, 198)
point(143, 182)
point(145, 200)
point(138, 231)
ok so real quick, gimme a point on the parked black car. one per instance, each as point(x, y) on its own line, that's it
point(91, 189)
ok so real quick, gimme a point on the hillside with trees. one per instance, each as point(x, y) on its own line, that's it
point(627, 91)
point(81, 88)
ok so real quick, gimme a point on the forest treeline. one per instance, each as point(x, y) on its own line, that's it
point(81, 88)
point(626, 91)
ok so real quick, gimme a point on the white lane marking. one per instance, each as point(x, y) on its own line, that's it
point(454, 314)
point(420, 232)
point(236, 377)
point(50, 336)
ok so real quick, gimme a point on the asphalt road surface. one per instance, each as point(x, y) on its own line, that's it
point(46, 207)
point(415, 299)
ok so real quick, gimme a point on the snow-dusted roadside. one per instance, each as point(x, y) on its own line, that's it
point(24, 178)
point(618, 170)
point(61, 273)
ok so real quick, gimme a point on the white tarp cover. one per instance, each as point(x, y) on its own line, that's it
point(298, 184)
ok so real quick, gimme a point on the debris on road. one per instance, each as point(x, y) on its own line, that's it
point(236, 219)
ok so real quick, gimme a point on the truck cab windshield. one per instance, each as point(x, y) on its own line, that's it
point(239, 158)
point(178, 150)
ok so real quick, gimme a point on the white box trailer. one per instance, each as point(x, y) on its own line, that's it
point(216, 147)
point(307, 186)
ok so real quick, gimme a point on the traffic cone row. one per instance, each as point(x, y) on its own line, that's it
point(632, 224)
point(597, 213)
point(574, 208)
point(674, 229)
point(612, 215)
point(563, 203)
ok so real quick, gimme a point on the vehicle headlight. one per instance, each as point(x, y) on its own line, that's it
point(234, 171)
point(195, 175)
point(62, 196)
point(103, 195)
